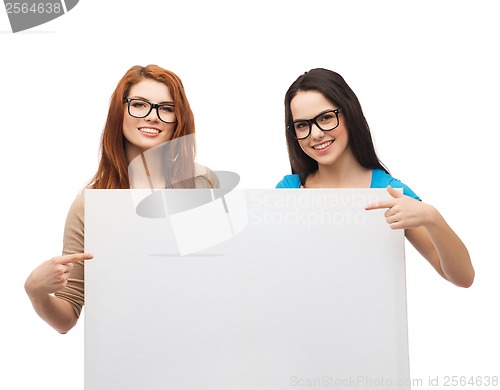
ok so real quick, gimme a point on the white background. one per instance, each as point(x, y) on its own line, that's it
point(426, 75)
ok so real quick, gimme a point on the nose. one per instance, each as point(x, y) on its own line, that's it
point(153, 115)
point(316, 132)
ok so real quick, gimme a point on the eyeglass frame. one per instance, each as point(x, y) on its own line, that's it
point(152, 106)
point(313, 121)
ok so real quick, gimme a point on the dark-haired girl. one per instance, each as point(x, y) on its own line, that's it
point(330, 146)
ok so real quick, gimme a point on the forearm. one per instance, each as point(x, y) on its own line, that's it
point(57, 312)
point(454, 257)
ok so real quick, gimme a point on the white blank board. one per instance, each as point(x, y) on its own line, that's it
point(308, 290)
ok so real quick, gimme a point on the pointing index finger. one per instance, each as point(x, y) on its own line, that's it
point(383, 204)
point(67, 259)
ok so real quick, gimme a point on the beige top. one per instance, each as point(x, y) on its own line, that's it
point(74, 240)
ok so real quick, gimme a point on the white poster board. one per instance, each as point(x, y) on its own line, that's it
point(280, 289)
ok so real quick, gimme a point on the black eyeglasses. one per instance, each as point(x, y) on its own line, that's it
point(140, 108)
point(325, 121)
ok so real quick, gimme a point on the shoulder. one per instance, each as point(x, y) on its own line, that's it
point(289, 181)
point(73, 241)
point(76, 211)
point(205, 177)
point(381, 179)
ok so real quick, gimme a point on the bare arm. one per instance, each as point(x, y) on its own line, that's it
point(48, 278)
point(431, 235)
point(444, 250)
point(56, 312)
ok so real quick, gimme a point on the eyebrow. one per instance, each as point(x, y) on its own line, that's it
point(147, 100)
point(322, 112)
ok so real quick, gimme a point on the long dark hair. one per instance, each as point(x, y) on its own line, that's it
point(335, 89)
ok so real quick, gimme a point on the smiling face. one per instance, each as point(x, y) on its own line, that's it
point(326, 147)
point(144, 133)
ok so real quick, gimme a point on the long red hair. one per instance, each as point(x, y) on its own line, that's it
point(112, 172)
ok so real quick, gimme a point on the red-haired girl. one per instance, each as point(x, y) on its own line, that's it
point(148, 108)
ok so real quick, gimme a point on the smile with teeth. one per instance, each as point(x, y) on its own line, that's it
point(323, 145)
point(149, 130)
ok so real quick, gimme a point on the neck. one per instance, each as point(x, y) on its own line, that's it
point(345, 173)
point(131, 151)
point(147, 172)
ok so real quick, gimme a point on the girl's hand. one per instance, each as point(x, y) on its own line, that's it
point(52, 275)
point(403, 211)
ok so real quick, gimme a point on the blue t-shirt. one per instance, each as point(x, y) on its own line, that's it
point(380, 179)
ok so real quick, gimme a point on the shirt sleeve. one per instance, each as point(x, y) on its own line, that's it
point(395, 183)
point(74, 243)
point(205, 177)
point(289, 181)
point(381, 179)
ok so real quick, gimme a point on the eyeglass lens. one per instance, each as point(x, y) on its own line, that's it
point(325, 121)
point(141, 108)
